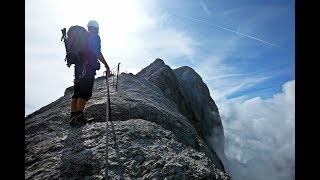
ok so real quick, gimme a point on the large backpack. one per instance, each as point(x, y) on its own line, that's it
point(75, 41)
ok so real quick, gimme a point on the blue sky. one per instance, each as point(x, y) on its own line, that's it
point(244, 50)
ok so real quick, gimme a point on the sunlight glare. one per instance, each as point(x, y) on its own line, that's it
point(119, 20)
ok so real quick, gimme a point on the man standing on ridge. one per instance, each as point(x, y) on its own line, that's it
point(85, 75)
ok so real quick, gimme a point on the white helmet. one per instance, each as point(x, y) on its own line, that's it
point(93, 23)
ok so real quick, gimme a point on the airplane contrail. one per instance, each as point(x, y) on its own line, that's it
point(237, 32)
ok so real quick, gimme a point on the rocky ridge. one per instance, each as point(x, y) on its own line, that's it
point(155, 131)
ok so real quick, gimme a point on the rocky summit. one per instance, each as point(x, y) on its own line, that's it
point(164, 125)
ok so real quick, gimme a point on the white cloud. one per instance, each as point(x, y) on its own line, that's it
point(260, 135)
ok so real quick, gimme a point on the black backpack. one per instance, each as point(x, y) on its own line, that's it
point(75, 41)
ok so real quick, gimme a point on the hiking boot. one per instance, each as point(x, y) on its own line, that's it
point(71, 119)
point(80, 119)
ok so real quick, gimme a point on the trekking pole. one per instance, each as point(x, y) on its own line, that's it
point(63, 38)
point(117, 76)
point(108, 117)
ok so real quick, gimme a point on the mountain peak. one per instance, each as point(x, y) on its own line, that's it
point(158, 61)
point(154, 67)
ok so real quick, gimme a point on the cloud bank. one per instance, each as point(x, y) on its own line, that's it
point(260, 136)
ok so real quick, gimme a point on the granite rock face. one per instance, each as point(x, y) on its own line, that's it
point(150, 136)
point(186, 89)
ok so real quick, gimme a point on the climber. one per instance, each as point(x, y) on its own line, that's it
point(85, 75)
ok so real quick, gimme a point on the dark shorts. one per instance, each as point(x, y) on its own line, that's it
point(83, 86)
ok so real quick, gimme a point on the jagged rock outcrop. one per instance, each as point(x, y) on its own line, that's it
point(191, 96)
point(149, 137)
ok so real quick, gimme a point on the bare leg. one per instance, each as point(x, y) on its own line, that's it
point(73, 105)
point(81, 103)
